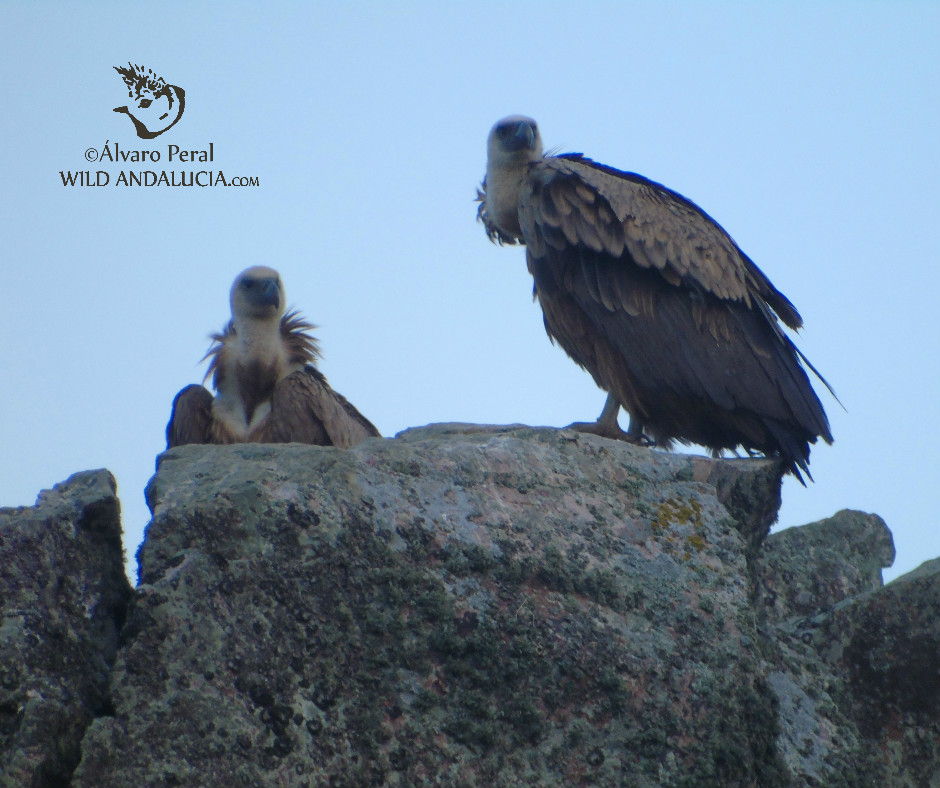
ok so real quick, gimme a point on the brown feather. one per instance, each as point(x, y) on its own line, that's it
point(709, 372)
point(302, 347)
point(305, 409)
point(190, 417)
point(676, 321)
point(216, 355)
point(660, 227)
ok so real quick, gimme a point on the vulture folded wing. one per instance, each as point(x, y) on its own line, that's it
point(690, 366)
point(305, 409)
point(575, 201)
point(191, 417)
point(646, 291)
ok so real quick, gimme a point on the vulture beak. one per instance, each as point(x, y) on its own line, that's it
point(517, 135)
point(262, 292)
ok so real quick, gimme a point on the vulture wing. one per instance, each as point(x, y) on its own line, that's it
point(191, 417)
point(305, 409)
point(654, 298)
point(577, 202)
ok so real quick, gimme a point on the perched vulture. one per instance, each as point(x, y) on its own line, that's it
point(649, 294)
point(267, 387)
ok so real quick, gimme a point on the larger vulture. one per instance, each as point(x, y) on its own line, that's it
point(648, 293)
point(268, 389)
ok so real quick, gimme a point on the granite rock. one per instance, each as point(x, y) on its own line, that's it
point(809, 569)
point(855, 665)
point(63, 594)
point(463, 606)
point(458, 606)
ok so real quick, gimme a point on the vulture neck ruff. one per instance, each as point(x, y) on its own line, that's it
point(503, 187)
point(253, 359)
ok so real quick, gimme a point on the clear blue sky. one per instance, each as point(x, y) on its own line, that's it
point(810, 131)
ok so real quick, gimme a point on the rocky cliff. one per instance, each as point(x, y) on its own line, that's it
point(461, 606)
point(63, 595)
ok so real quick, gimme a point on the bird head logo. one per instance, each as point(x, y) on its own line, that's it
point(156, 106)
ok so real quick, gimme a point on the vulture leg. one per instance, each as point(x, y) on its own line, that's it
point(636, 435)
point(607, 426)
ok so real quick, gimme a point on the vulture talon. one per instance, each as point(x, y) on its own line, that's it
point(605, 431)
point(607, 426)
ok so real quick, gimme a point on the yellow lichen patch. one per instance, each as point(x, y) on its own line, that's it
point(673, 512)
point(697, 541)
point(681, 512)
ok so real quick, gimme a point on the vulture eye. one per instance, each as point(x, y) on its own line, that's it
point(516, 130)
point(248, 283)
point(503, 131)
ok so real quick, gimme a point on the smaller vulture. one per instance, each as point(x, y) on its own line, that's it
point(268, 389)
point(648, 293)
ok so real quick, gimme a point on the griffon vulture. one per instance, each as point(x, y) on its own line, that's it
point(267, 387)
point(649, 294)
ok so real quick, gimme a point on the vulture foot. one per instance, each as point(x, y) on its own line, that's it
point(607, 426)
point(610, 431)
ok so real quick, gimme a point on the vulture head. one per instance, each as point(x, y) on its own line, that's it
point(258, 295)
point(514, 141)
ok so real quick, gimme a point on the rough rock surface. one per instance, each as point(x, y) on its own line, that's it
point(474, 606)
point(804, 571)
point(63, 595)
point(888, 658)
point(855, 666)
point(453, 607)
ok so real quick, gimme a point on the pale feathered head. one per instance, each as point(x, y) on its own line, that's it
point(512, 141)
point(258, 294)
